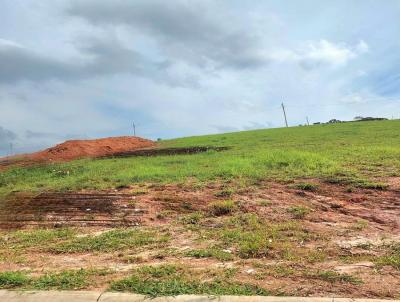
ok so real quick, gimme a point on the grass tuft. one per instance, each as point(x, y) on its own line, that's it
point(10, 280)
point(210, 253)
point(305, 186)
point(299, 212)
point(219, 208)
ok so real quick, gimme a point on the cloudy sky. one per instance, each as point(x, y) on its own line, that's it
point(88, 68)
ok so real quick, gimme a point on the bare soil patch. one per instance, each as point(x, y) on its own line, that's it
point(107, 209)
point(167, 151)
point(76, 149)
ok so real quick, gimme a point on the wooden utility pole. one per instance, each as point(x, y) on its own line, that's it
point(134, 128)
point(284, 114)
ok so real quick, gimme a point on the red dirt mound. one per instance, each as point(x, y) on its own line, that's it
point(74, 149)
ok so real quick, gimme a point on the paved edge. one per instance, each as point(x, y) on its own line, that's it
point(98, 296)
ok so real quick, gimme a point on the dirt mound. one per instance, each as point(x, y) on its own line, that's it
point(74, 149)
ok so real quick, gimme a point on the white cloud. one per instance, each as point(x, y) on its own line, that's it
point(326, 52)
point(353, 99)
point(362, 47)
point(4, 44)
point(323, 52)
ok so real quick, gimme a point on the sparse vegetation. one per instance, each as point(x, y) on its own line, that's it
point(210, 253)
point(219, 208)
point(360, 224)
point(193, 218)
point(63, 280)
point(225, 193)
point(305, 186)
point(172, 281)
point(110, 241)
point(392, 257)
point(299, 212)
point(10, 280)
point(333, 277)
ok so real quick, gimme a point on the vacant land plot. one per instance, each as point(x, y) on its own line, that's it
point(305, 211)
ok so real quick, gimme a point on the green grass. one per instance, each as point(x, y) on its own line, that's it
point(169, 280)
point(253, 237)
point(392, 257)
point(333, 277)
point(299, 212)
point(35, 238)
point(63, 280)
point(210, 253)
point(110, 241)
point(356, 152)
point(10, 280)
point(219, 208)
point(305, 186)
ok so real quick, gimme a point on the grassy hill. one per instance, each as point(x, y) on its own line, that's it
point(358, 153)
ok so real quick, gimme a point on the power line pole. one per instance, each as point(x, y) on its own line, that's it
point(308, 123)
point(134, 128)
point(284, 114)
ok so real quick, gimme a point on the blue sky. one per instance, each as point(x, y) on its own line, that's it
point(86, 69)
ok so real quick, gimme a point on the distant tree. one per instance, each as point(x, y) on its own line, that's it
point(358, 118)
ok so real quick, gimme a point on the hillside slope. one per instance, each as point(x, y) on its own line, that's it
point(360, 152)
point(303, 211)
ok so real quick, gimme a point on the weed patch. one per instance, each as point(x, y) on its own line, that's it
point(10, 280)
point(66, 280)
point(299, 212)
point(210, 253)
point(193, 218)
point(333, 277)
point(173, 281)
point(392, 257)
point(219, 208)
point(305, 186)
point(110, 241)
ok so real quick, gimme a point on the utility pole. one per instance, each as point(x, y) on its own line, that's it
point(308, 123)
point(134, 128)
point(284, 114)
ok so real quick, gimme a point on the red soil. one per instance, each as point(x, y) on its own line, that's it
point(74, 149)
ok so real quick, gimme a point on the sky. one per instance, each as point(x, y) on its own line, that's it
point(78, 69)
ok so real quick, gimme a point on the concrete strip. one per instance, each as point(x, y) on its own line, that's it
point(126, 297)
point(96, 296)
point(49, 296)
